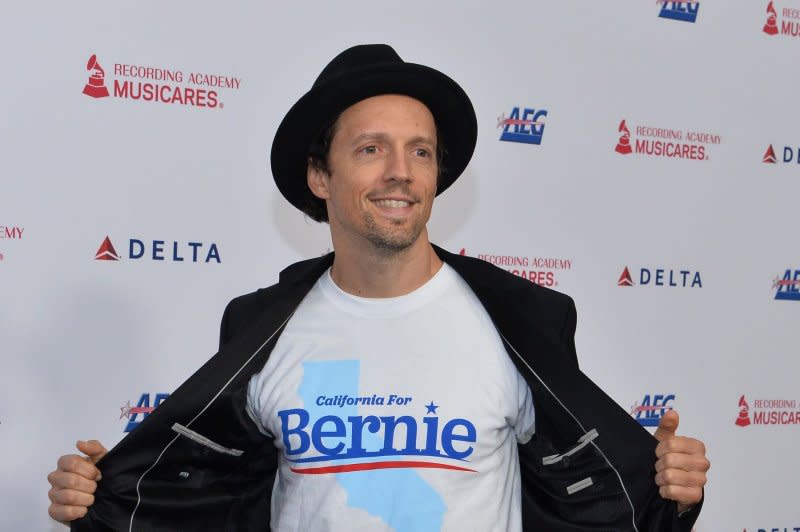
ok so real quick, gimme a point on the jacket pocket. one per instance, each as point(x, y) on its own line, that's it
point(206, 442)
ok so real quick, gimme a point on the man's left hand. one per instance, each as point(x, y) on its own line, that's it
point(681, 466)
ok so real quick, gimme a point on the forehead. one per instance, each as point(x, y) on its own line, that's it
point(387, 113)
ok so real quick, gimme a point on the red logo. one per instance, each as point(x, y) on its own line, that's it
point(744, 413)
point(771, 26)
point(106, 251)
point(624, 143)
point(769, 156)
point(625, 278)
point(96, 86)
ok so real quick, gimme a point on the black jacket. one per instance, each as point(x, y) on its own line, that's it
point(198, 462)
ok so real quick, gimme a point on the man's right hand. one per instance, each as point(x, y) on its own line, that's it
point(74, 482)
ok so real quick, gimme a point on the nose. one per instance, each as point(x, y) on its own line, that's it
point(398, 167)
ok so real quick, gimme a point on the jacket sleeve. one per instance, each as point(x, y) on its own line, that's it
point(568, 332)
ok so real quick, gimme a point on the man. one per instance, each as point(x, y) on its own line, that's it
point(391, 386)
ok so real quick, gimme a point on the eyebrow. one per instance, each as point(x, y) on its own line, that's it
point(418, 139)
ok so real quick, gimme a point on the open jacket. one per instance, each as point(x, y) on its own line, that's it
point(198, 461)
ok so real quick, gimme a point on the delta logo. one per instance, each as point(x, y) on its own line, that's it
point(682, 10)
point(649, 412)
point(161, 250)
point(767, 412)
point(159, 84)
point(544, 271)
point(143, 408)
point(787, 286)
point(523, 124)
point(777, 529)
point(665, 142)
point(676, 278)
point(789, 22)
point(788, 155)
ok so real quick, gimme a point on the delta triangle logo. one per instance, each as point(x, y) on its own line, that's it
point(625, 278)
point(769, 156)
point(106, 251)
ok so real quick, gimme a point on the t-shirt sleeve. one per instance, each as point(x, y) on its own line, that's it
point(526, 414)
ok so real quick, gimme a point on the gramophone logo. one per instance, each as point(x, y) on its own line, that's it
point(771, 26)
point(744, 413)
point(96, 86)
point(624, 142)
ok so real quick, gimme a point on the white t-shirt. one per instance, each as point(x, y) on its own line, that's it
point(395, 414)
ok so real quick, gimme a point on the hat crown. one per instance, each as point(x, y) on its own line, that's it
point(357, 58)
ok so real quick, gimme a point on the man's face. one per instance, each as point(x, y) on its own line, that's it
point(383, 173)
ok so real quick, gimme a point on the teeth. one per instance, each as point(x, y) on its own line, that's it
point(392, 203)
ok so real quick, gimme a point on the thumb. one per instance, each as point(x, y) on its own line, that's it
point(92, 448)
point(667, 426)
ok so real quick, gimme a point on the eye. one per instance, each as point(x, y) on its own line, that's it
point(422, 152)
point(371, 149)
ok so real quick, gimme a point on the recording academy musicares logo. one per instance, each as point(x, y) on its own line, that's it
point(544, 271)
point(665, 142)
point(158, 84)
point(161, 250)
point(10, 232)
point(789, 21)
point(767, 412)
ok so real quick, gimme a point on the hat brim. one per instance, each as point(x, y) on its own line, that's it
point(447, 101)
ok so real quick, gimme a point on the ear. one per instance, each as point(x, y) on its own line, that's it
point(317, 181)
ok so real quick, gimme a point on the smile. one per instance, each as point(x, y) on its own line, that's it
point(392, 203)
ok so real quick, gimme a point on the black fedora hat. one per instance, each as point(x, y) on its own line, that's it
point(358, 73)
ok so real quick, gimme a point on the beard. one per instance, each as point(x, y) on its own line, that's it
point(393, 239)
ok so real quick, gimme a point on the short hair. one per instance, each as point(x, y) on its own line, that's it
point(318, 153)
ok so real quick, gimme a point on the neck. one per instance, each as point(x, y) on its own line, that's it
point(372, 272)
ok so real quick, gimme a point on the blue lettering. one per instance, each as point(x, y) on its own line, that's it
point(175, 256)
point(302, 421)
point(659, 277)
point(433, 429)
point(390, 422)
point(448, 437)
point(788, 154)
point(134, 244)
point(194, 246)
point(696, 281)
point(317, 433)
point(158, 250)
point(644, 276)
point(213, 253)
point(357, 422)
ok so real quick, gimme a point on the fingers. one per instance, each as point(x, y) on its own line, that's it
point(92, 448)
point(675, 478)
point(683, 462)
point(667, 426)
point(684, 496)
point(680, 444)
point(72, 463)
point(65, 514)
point(62, 480)
point(68, 497)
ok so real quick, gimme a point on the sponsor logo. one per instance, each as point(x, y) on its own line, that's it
point(143, 408)
point(161, 250)
point(522, 125)
point(787, 287)
point(544, 271)
point(767, 412)
point(789, 155)
point(652, 408)
point(10, 232)
point(785, 21)
point(683, 278)
point(332, 438)
point(665, 142)
point(159, 84)
point(682, 10)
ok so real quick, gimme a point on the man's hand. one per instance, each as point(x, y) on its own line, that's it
point(74, 482)
point(681, 466)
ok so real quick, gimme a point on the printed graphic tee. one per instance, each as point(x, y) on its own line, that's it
point(397, 414)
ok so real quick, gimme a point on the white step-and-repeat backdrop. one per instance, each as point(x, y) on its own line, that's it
point(642, 157)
